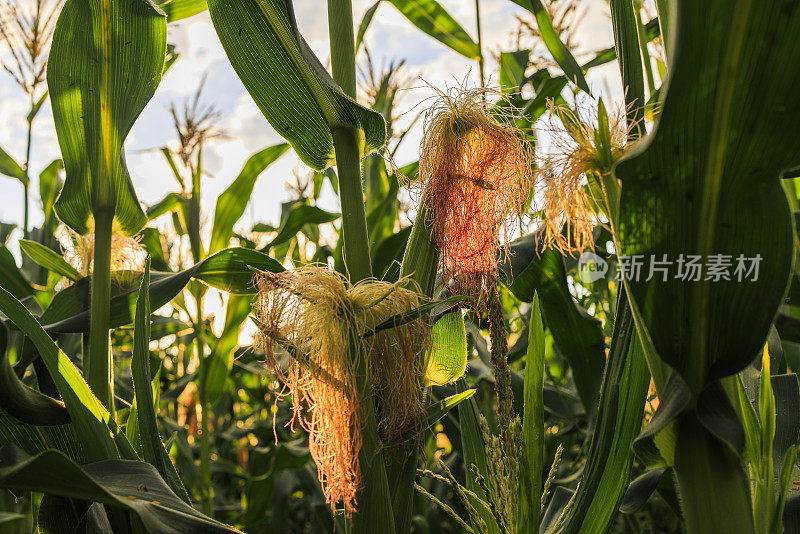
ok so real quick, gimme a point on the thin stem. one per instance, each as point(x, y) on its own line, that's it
point(648, 67)
point(207, 491)
point(98, 366)
point(481, 64)
point(27, 174)
point(343, 58)
point(626, 42)
point(25, 204)
point(354, 220)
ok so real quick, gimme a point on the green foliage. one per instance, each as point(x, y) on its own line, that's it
point(105, 64)
point(300, 100)
point(131, 399)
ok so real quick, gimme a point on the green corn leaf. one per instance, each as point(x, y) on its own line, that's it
point(35, 439)
point(785, 479)
point(170, 202)
point(556, 47)
point(436, 411)
point(228, 270)
point(232, 202)
point(641, 489)
point(430, 17)
point(526, 270)
point(752, 426)
point(91, 419)
point(150, 239)
point(389, 252)
point(288, 83)
point(533, 446)
point(152, 448)
point(129, 485)
point(734, 87)
point(764, 505)
point(714, 492)
point(12, 169)
point(106, 61)
point(619, 420)
point(11, 278)
point(298, 216)
point(49, 259)
point(218, 364)
point(50, 184)
point(182, 9)
point(369, 14)
point(474, 453)
point(22, 402)
point(512, 70)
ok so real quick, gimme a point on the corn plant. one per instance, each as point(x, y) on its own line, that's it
point(478, 370)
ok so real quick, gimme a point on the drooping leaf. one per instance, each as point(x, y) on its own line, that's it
point(288, 83)
point(131, 485)
point(12, 169)
point(641, 489)
point(227, 270)
point(105, 63)
point(232, 202)
point(91, 419)
point(23, 402)
point(298, 216)
point(182, 9)
point(577, 335)
point(170, 202)
point(430, 17)
point(49, 259)
point(734, 88)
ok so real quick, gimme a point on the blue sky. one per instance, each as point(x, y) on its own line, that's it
point(390, 37)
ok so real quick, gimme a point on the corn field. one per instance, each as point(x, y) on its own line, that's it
point(574, 309)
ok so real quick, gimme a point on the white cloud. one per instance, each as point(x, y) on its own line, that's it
point(390, 36)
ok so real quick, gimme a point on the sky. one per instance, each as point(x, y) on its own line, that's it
point(390, 38)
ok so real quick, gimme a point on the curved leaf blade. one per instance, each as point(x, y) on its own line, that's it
point(130, 485)
point(105, 63)
point(734, 87)
point(288, 83)
point(430, 17)
point(48, 259)
point(232, 202)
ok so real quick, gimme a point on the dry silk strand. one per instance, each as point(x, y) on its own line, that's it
point(475, 170)
point(476, 174)
point(585, 144)
point(127, 254)
point(312, 311)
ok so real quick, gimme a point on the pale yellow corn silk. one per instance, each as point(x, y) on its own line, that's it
point(312, 310)
point(573, 154)
point(476, 171)
point(127, 254)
